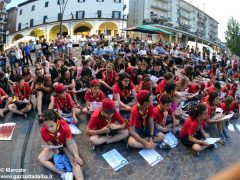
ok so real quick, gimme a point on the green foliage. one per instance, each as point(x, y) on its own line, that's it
point(232, 36)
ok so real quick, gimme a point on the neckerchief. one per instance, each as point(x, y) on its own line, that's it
point(144, 116)
point(56, 134)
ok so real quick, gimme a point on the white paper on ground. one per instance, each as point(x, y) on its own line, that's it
point(238, 127)
point(154, 79)
point(212, 140)
point(151, 156)
point(171, 140)
point(231, 127)
point(115, 159)
point(110, 96)
point(52, 146)
point(74, 129)
point(95, 105)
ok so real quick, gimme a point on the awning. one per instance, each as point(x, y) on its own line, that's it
point(149, 29)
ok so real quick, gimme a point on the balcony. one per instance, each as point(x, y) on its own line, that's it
point(186, 8)
point(185, 16)
point(201, 23)
point(159, 6)
point(155, 16)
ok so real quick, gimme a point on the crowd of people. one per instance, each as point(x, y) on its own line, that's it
point(130, 89)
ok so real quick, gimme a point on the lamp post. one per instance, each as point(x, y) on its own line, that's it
point(62, 5)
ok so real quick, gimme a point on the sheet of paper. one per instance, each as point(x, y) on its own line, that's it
point(171, 140)
point(154, 79)
point(95, 105)
point(212, 140)
point(231, 127)
point(74, 129)
point(52, 146)
point(115, 159)
point(238, 127)
point(151, 156)
point(6, 131)
point(227, 116)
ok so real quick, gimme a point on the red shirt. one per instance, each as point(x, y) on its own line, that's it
point(23, 92)
point(2, 93)
point(124, 94)
point(160, 87)
point(98, 97)
point(211, 110)
point(193, 88)
point(209, 83)
point(63, 103)
point(141, 86)
point(58, 138)
point(205, 99)
point(158, 115)
point(190, 127)
point(136, 118)
point(109, 77)
point(210, 89)
point(223, 107)
point(97, 121)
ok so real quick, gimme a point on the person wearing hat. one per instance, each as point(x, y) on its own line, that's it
point(63, 103)
point(21, 102)
point(142, 124)
point(106, 125)
point(94, 94)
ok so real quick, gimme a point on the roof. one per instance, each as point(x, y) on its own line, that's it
point(26, 2)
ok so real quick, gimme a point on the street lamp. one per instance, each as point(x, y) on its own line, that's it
point(62, 5)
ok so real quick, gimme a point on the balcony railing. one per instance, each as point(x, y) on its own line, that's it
point(185, 15)
point(159, 5)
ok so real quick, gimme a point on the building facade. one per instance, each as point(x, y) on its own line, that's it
point(3, 22)
point(12, 20)
point(40, 18)
point(186, 21)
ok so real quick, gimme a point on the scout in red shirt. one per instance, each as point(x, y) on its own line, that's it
point(163, 116)
point(109, 76)
point(145, 84)
point(63, 103)
point(192, 133)
point(213, 118)
point(93, 94)
point(142, 125)
point(102, 127)
point(122, 92)
point(21, 103)
point(4, 102)
point(168, 77)
point(57, 132)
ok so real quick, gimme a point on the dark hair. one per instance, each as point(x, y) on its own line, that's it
point(168, 76)
point(56, 61)
point(165, 99)
point(85, 62)
point(123, 76)
point(212, 96)
point(50, 115)
point(2, 74)
point(86, 71)
point(197, 110)
point(217, 85)
point(169, 87)
point(18, 78)
point(25, 73)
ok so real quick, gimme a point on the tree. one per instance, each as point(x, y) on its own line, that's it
point(232, 36)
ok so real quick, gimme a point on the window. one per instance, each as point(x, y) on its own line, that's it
point(99, 14)
point(116, 14)
point(117, 1)
point(100, 0)
point(80, 14)
point(31, 22)
point(20, 12)
point(46, 4)
point(44, 19)
point(19, 26)
point(33, 7)
point(81, 1)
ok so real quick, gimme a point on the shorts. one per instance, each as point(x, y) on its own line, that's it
point(188, 143)
point(2, 106)
point(145, 133)
point(20, 105)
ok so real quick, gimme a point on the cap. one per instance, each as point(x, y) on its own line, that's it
point(59, 88)
point(94, 82)
point(129, 70)
point(142, 96)
point(108, 106)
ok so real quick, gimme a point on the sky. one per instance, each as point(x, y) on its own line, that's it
point(221, 11)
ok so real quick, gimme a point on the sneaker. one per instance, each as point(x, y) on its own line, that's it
point(165, 146)
point(212, 146)
point(67, 176)
point(225, 134)
point(222, 140)
point(195, 153)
